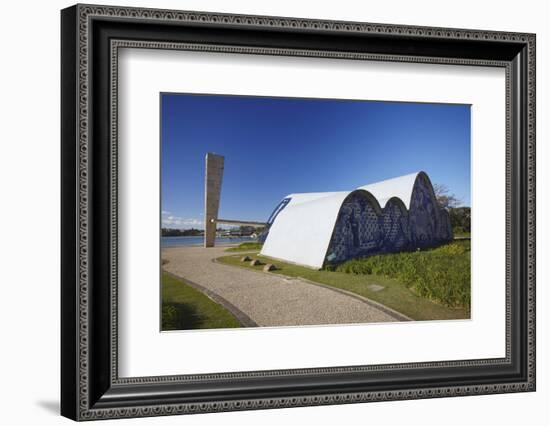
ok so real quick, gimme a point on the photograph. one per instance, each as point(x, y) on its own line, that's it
point(279, 211)
point(265, 209)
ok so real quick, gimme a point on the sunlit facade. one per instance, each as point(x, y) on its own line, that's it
point(399, 214)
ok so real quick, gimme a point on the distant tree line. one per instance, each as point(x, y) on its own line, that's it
point(169, 232)
point(460, 216)
point(461, 220)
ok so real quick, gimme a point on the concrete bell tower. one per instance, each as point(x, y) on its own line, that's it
point(212, 192)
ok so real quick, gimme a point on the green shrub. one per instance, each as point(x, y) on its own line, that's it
point(441, 274)
point(455, 249)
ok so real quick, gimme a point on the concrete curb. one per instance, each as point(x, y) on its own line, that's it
point(389, 311)
point(244, 319)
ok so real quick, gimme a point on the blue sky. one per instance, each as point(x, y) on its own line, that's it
point(277, 146)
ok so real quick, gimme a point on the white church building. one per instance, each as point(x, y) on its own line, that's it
point(315, 229)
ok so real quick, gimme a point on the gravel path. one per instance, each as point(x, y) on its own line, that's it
point(268, 299)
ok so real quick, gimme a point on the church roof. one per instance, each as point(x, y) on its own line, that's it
point(301, 231)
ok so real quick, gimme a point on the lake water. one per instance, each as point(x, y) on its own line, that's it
point(199, 241)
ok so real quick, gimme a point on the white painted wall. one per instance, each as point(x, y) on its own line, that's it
point(29, 172)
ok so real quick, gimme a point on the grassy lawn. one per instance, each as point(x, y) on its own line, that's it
point(184, 308)
point(394, 294)
point(441, 274)
point(252, 245)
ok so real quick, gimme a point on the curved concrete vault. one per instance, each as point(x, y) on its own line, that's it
point(313, 229)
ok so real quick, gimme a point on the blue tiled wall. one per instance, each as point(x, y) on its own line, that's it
point(362, 229)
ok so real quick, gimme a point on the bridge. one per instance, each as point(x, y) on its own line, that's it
point(238, 222)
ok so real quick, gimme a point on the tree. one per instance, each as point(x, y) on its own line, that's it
point(445, 198)
point(460, 219)
point(460, 216)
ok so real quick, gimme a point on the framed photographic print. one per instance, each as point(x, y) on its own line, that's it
point(263, 212)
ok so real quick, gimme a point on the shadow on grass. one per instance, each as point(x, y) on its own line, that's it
point(180, 316)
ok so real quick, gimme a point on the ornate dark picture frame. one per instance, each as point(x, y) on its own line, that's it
point(90, 38)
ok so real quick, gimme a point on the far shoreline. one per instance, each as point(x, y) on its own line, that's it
point(200, 246)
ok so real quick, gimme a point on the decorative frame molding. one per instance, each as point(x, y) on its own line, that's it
point(91, 37)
